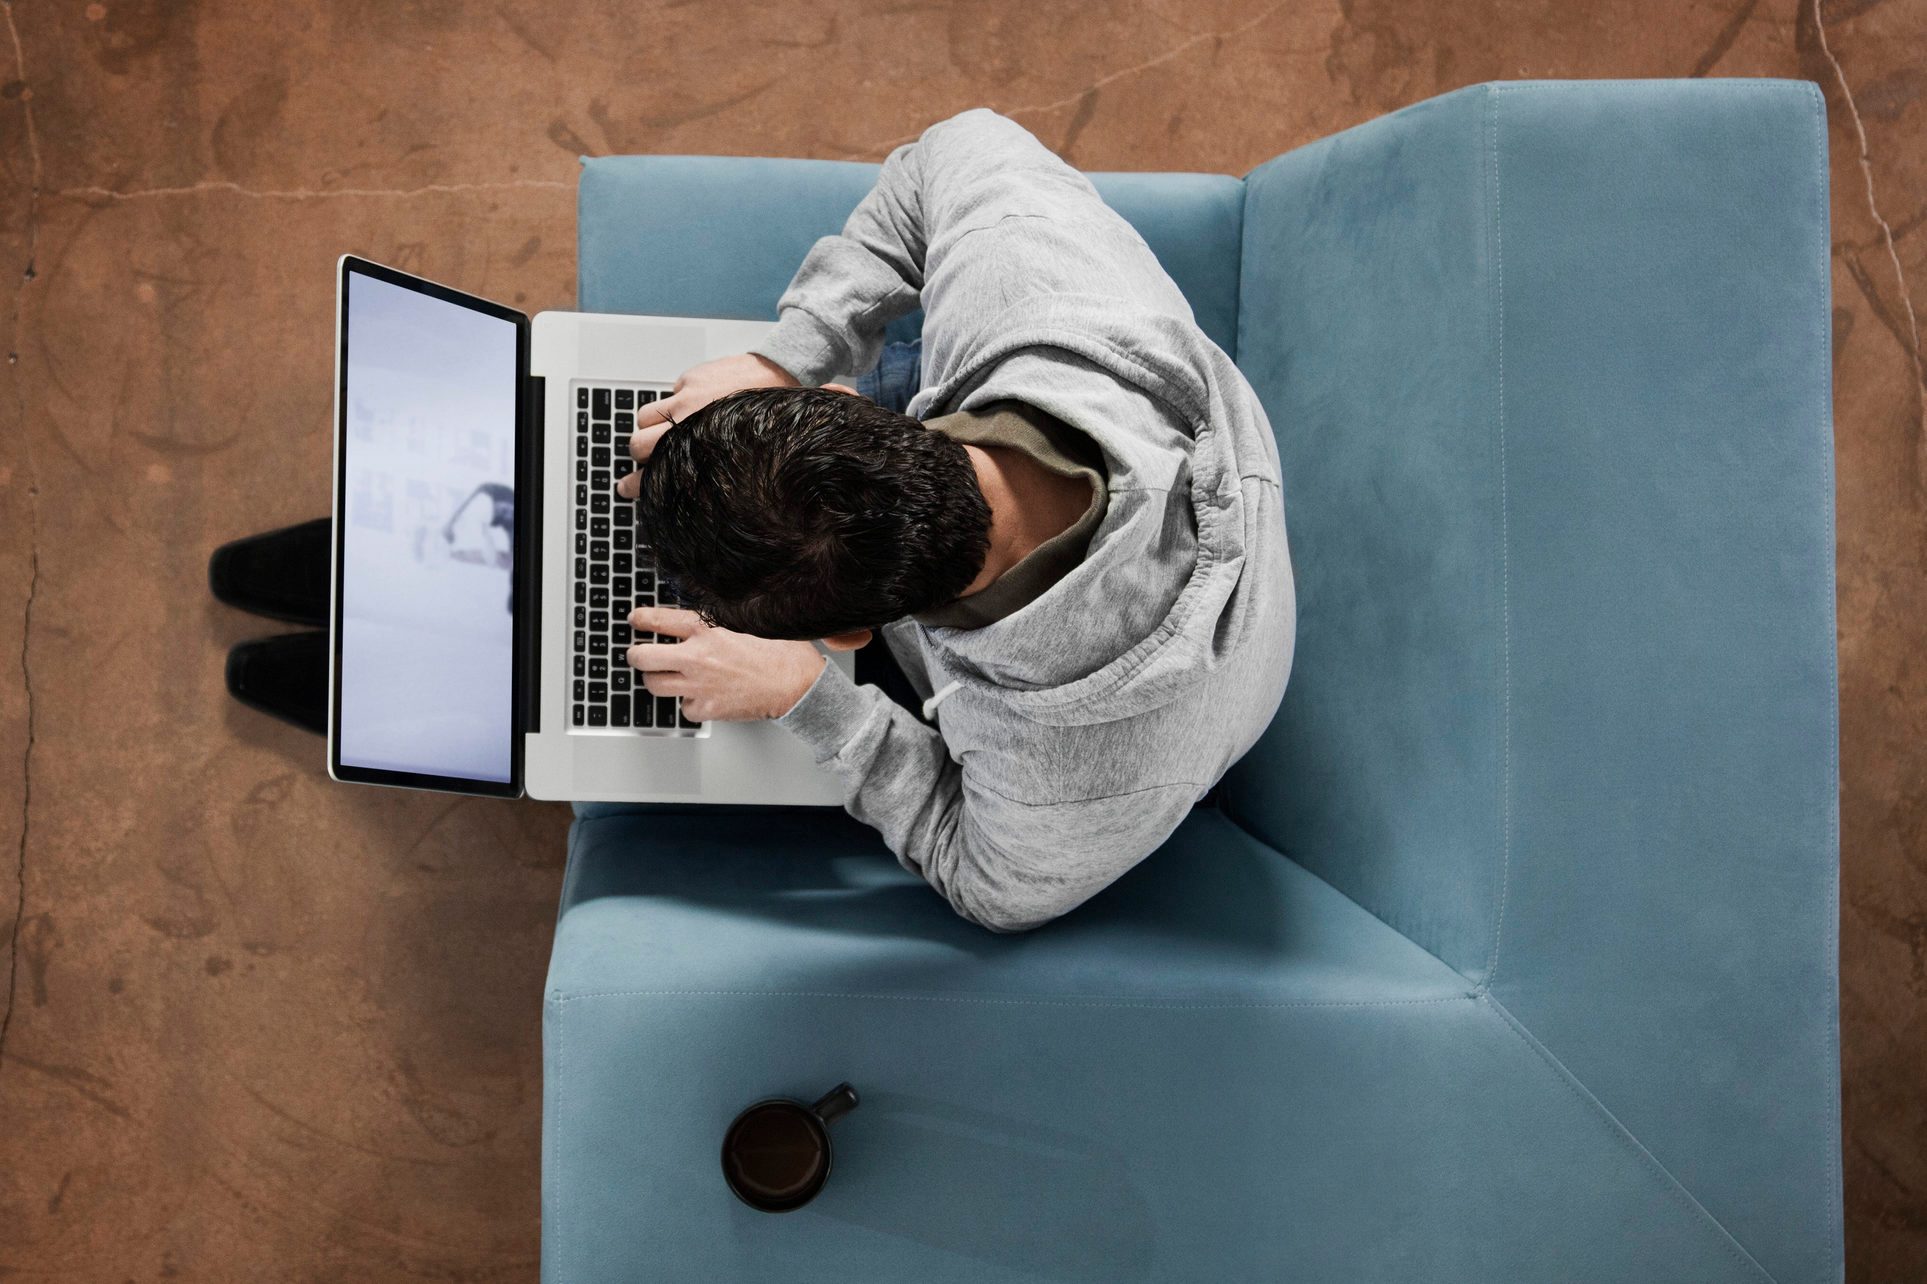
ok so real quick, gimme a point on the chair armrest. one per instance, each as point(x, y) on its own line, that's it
point(1549, 366)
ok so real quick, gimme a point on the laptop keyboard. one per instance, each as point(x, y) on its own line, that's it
point(613, 573)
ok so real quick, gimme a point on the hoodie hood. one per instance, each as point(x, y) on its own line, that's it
point(1160, 601)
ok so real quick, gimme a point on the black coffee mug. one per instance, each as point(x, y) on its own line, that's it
point(776, 1155)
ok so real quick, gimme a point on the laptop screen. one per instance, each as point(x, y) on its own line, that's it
point(425, 655)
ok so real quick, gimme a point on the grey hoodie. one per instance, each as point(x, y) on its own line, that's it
point(1077, 731)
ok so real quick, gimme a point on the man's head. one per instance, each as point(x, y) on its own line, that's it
point(811, 513)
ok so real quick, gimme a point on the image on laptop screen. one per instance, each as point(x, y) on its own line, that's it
point(426, 658)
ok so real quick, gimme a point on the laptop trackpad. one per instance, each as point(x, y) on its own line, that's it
point(652, 765)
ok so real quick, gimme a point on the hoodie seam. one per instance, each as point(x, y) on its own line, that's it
point(1070, 802)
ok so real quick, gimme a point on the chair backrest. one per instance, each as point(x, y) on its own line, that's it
point(1549, 369)
point(1367, 328)
point(720, 236)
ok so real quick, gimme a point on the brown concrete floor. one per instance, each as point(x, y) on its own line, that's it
point(263, 1027)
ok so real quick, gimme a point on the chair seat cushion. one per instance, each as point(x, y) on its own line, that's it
point(1218, 1069)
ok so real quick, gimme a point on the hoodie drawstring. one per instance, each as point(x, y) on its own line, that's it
point(943, 693)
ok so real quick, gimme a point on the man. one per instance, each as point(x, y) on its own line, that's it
point(1077, 556)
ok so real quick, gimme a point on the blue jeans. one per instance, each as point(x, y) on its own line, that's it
point(897, 376)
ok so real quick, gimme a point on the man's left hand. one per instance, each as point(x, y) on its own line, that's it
point(722, 676)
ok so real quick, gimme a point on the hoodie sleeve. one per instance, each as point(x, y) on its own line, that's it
point(965, 174)
point(1003, 864)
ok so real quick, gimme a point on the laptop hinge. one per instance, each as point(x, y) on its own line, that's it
point(528, 554)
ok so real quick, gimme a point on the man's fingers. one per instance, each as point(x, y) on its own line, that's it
point(673, 620)
point(656, 657)
point(642, 442)
point(660, 411)
point(665, 683)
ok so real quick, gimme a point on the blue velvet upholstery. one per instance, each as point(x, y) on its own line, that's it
point(735, 230)
point(1510, 953)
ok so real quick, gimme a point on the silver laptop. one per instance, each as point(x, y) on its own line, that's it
point(484, 568)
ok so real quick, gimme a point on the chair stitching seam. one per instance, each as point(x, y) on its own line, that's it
point(1497, 321)
point(1598, 1110)
point(561, 1082)
point(1825, 254)
point(993, 1000)
point(1238, 277)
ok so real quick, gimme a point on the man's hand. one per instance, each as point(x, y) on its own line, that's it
point(721, 676)
point(698, 386)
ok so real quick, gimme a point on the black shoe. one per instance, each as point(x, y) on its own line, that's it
point(285, 676)
point(282, 574)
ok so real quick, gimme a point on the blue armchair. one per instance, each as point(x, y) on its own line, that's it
point(1508, 954)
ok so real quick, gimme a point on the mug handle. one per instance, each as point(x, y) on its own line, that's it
point(835, 1103)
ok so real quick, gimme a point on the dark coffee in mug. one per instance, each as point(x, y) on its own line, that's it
point(776, 1155)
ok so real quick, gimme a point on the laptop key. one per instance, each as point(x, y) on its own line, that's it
point(582, 398)
point(599, 479)
point(619, 711)
point(684, 720)
point(581, 665)
point(624, 538)
point(598, 716)
point(582, 421)
point(665, 711)
point(580, 687)
point(599, 434)
point(625, 399)
point(599, 528)
point(598, 692)
point(578, 715)
point(598, 670)
point(599, 573)
point(645, 715)
point(581, 519)
point(619, 678)
point(599, 550)
point(598, 621)
point(600, 403)
point(619, 585)
point(598, 598)
point(599, 456)
point(644, 397)
point(581, 590)
point(599, 503)
point(625, 423)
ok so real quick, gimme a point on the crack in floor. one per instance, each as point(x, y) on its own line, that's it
point(1090, 91)
point(33, 501)
point(1865, 160)
point(308, 193)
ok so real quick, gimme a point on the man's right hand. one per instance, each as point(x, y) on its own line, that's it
point(698, 386)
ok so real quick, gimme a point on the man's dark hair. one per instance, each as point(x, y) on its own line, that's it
point(803, 512)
